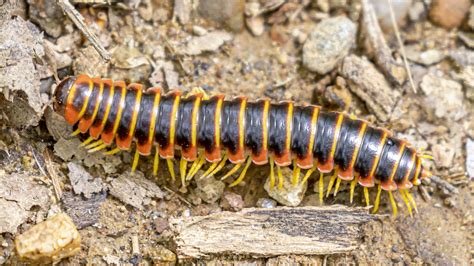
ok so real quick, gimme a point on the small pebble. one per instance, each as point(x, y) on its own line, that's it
point(449, 202)
point(256, 25)
point(246, 69)
point(394, 248)
point(186, 213)
point(328, 44)
point(199, 31)
point(266, 203)
point(449, 13)
point(49, 241)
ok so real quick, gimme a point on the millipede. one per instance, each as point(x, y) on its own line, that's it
point(210, 131)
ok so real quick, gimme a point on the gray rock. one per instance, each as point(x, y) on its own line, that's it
point(209, 189)
point(228, 12)
point(206, 43)
point(470, 158)
point(288, 195)
point(68, 148)
point(134, 189)
point(428, 57)
point(444, 97)
point(18, 194)
point(20, 43)
point(400, 9)
point(182, 10)
point(328, 44)
point(82, 182)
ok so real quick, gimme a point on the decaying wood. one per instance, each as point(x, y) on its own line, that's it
point(370, 85)
point(260, 233)
point(377, 48)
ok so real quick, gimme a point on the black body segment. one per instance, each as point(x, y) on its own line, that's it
point(126, 119)
point(254, 126)
point(109, 125)
point(368, 151)
point(103, 105)
point(183, 122)
point(324, 135)
point(301, 130)
point(229, 124)
point(206, 124)
point(93, 102)
point(277, 128)
point(142, 129)
point(388, 159)
point(405, 165)
point(346, 146)
point(163, 124)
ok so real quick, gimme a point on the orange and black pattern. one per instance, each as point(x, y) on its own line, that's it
point(217, 130)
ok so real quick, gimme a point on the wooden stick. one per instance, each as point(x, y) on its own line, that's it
point(402, 47)
point(261, 233)
point(78, 20)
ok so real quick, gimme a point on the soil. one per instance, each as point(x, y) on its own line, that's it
point(149, 43)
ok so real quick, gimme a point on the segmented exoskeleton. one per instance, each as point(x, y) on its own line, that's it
point(216, 130)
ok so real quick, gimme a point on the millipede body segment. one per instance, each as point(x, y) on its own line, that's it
point(216, 129)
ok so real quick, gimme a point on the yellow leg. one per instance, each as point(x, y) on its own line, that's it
point(75, 133)
point(407, 203)
point(171, 168)
point(280, 177)
point(232, 171)
point(242, 174)
point(183, 164)
point(336, 189)
point(331, 183)
point(412, 201)
point(98, 148)
point(219, 166)
point(210, 169)
point(87, 141)
point(135, 160)
point(198, 90)
point(95, 144)
point(156, 162)
point(272, 174)
point(377, 199)
point(394, 204)
point(366, 195)
point(194, 165)
point(296, 174)
point(309, 172)
point(112, 152)
point(353, 185)
point(200, 163)
point(321, 188)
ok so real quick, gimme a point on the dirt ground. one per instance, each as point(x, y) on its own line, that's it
point(343, 55)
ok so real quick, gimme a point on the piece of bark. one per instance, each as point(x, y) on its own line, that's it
point(377, 48)
point(370, 85)
point(261, 233)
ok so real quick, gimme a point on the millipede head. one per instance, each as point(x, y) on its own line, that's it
point(61, 93)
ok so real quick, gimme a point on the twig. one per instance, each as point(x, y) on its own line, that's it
point(37, 162)
point(53, 175)
point(78, 20)
point(444, 184)
point(177, 195)
point(402, 47)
